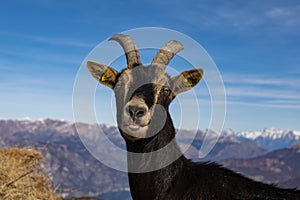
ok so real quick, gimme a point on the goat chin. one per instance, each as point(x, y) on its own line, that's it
point(134, 132)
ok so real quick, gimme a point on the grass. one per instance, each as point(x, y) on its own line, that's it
point(22, 177)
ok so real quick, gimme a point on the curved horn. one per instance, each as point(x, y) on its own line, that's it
point(131, 51)
point(166, 53)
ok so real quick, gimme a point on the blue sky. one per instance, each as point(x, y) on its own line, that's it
point(255, 45)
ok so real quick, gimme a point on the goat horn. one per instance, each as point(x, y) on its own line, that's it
point(129, 46)
point(166, 53)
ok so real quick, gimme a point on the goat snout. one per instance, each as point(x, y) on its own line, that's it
point(136, 111)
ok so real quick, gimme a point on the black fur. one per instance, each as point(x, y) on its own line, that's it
point(186, 180)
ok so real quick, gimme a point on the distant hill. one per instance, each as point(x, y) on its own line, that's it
point(226, 147)
point(280, 167)
point(71, 166)
point(77, 173)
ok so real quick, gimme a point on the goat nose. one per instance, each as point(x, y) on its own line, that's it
point(136, 111)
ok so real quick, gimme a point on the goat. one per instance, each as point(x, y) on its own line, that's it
point(143, 95)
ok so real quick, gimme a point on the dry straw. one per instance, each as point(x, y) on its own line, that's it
point(21, 176)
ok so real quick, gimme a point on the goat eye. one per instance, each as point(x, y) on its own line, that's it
point(166, 90)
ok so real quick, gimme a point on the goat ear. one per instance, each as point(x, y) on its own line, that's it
point(102, 73)
point(186, 80)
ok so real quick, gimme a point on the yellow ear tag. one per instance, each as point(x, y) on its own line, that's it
point(103, 78)
point(187, 81)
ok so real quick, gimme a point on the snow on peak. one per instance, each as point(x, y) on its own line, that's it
point(297, 133)
point(249, 134)
point(26, 118)
point(271, 133)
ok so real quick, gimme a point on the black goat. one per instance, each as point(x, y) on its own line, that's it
point(141, 93)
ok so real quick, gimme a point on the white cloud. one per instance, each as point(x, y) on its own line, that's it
point(60, 41)
point(236, 91)
point(235, 16)
point(51, 40)
point(288, 16)
point(263, 90)
point(261, 80)
point(278, 12)
point(42, 55)
point(265, 105)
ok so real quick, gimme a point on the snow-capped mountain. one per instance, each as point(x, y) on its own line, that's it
point(271, 133)
point(66, 157)
point(270, 138)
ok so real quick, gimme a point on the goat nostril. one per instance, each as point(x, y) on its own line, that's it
point(140, 112)
point(129, 111)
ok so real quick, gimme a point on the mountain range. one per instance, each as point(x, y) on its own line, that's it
point(270, 155)
point(269, 139)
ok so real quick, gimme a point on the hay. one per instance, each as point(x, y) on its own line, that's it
point(21, 176)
